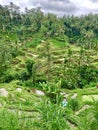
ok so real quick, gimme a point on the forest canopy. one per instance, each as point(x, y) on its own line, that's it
point(82, 30)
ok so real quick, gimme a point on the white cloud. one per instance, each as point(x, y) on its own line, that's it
point(59, 7)
point(88, 4)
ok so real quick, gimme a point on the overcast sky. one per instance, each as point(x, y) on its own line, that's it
point(59, 7)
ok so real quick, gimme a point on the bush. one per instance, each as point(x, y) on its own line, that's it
point(73, 104)
point(14, 53)
point(67, 84)
point(81, 82)
point(8, 78)
point(52, 91)
point(29, 66)
point(24, 76)
point(81, 78)
point(28, 83)
point(40, 78)
point(88, 73)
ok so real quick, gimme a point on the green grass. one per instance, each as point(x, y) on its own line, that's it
point(90, 98)
point(88, 119)
point(27, 100)
point(36, 40)
point(27, 111)
point(53, 116)
point(14, 121)
point(58, 43)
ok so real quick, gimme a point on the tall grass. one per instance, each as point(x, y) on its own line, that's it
point(94, 124)
point(14, 121)
point(53, 117)
point(89, 118)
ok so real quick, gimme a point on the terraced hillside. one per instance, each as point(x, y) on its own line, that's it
point(48, 70)
point(22, 108)
point(29, 107)
point(56, 58)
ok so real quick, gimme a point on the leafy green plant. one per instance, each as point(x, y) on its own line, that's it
point(8, 77)
point(69, 84)
point(28, 83)
point(29, 66)
point(52, 90)
point(24, 76)
point(73, 104)
point(87, 74)
point(14, 52)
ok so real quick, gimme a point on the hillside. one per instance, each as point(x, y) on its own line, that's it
point(28, 109)
point(48, 71)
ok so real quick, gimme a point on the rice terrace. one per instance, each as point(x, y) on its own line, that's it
point(48, 70)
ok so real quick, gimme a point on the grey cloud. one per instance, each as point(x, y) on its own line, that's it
point(56, 6)
point(94, 1)
point(59, 7)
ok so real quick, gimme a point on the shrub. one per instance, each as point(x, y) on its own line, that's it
point(40, 78)
point(28, 83)
point(8, 78)
point(52, 90)
point(67, 84)
point(73, 104)
point(29, 66)
point(24, 76)
point(88, 73)
point(81, 82)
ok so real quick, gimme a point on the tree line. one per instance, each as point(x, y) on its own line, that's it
point(82, 30)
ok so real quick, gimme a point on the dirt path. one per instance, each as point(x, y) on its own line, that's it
point(82, 109)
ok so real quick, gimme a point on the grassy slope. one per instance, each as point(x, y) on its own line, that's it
point(58, 53)
point(26, 101)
